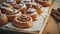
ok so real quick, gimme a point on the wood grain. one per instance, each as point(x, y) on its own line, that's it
point(53, 2)
point(51, 27)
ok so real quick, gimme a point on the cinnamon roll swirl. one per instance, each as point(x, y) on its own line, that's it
point(4, 7)
point(23, 21)
point(12, 13)
point(32, 12)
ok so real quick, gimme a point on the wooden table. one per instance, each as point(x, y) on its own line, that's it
point(51, 27)
point(47, 17)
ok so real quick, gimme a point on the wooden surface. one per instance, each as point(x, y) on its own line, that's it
point(51, 27)
point(45, 22)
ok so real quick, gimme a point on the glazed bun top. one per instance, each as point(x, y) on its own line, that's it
point(24, 18)
point(22, 5)
point(6, 5)
point(31, 10)
point(18, 6)
point(12, 11)
point(26, 1)
point(36, 5)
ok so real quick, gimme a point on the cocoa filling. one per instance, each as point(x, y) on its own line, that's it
point(23, 18)
point(13, 11)
point(30, 12)
point(17, 6)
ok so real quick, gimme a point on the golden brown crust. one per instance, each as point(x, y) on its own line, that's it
point(34, 16)
point(21, 7)
point(17, 6)
point(33, 13)
point(38, 7)
point(46, 3)
point(39, 11)
point(11, 17)
point(3, 20)
point(22, 10)
point(5, 8)
point(21, 24)
point(18, 1)
point(12, 13)
point(28, 5)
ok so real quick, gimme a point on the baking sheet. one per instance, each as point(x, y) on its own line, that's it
point(36, 25)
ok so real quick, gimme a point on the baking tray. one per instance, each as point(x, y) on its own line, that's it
point(36, 25)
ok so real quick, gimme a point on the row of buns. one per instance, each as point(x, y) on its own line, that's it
point(44, 3)
point(20, 14)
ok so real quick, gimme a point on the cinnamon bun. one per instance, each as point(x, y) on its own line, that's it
point(32, 12)
point(3, 19)
point(27, 2)
point(23, 7)
point(12, 13)
point(28, 5)
point(38, 7)
point(45, 3)
point(4, 7)
point(7, 5)
point(16, 6)
point(23, 21)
